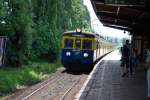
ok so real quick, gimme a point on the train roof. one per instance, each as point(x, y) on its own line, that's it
point(85, 34)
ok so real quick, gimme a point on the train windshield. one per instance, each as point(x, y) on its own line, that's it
point(78, 44)
point(87, 44)
point(68, 43)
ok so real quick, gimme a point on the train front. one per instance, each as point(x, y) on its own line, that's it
point(77, 51)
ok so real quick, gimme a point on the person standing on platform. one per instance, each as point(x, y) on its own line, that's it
point(134, 58)
point(126, 58)
point(147, 65)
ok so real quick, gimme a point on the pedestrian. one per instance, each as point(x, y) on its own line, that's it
point(134, 58)
point(147, 66)
point(120, 51)
point(126, 56)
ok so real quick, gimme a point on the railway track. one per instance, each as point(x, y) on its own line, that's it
point(63, 86)
point(28, 96)
point(67, 92)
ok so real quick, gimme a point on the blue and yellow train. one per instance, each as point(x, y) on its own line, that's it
point(80, 50)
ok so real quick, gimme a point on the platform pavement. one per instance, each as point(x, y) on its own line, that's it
point(106, 83)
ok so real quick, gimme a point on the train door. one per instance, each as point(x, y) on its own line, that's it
point(99, 48)
point(78, 43)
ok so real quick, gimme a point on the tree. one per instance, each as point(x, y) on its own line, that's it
point(35, 27)
point(2, 15)
point(20, 21)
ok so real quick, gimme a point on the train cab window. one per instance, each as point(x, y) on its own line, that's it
point(77, 44)
point(68, 43)
point(87, 44)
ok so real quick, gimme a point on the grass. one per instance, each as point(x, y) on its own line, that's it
point(12, 79)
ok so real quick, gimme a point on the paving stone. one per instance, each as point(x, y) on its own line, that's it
point(111, 86)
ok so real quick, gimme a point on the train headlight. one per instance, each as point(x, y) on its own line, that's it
point(68, 54)
point(85, 55)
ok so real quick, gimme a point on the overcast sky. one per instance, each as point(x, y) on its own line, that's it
point(97, 25)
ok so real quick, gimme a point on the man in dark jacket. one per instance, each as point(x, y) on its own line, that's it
point(126, 55)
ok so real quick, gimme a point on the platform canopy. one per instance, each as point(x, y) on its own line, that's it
point(130, 15)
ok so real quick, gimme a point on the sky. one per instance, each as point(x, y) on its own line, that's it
point(98, 27)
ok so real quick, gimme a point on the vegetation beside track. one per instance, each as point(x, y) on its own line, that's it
point(34, 30)
point(13, 79)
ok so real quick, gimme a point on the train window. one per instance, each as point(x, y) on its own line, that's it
point(68, 43)
point(77, 44)
point(97, 43)
point(87, 44)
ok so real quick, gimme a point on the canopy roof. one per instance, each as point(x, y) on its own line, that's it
point(130, 15)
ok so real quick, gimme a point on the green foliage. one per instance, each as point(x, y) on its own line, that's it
point(19, 30)
point(13, 79)
point(35, 27)
point(1, 7)
point(75, 15)
point(41, 40)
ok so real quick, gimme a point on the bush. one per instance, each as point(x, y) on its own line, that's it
point(13, 79)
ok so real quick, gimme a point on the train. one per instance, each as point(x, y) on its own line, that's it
point(80, 50)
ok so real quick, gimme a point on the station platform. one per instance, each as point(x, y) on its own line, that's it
point(106, 83)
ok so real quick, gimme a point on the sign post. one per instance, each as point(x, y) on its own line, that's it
point(3, 41)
